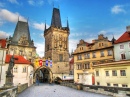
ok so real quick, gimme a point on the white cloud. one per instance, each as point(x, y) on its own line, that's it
point(40, 49)
point(102, 32)
point(73, 44)
point(52, 1)
point(13, 1)
point(10, 16)
point(3, 35)
point(36, 2)
point(40, 26)
point(117, 9)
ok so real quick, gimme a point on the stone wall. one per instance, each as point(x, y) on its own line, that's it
point(112, 91)
point(12, 92)
point(22, 87)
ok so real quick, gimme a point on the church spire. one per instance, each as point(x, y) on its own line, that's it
point(113, 40)
point(56, 20)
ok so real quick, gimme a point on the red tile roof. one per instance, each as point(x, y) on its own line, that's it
point(20, 59)
point(3, 43)
point(124, 38)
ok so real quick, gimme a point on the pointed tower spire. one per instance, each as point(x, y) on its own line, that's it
point(68, 24)
point(113, 40)
point(56, 20)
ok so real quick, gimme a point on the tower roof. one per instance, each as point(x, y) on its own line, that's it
point(56, 20)
point(22, 29)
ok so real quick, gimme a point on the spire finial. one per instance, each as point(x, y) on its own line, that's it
point(27, 19)
point(53, 4)
point(45, 25)
point(18, 17)
point(58, 6)
point(67, 23)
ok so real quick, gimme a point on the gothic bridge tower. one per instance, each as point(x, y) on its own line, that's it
point(57, 45)
point(21, 43)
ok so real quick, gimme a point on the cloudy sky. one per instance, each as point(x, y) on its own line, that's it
point(87, 18)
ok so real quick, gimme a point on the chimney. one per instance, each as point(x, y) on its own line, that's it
point(128, 28)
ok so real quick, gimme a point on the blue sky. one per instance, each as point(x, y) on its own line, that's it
point(87, 18)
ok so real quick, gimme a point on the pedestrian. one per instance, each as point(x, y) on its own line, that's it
point(37, 79)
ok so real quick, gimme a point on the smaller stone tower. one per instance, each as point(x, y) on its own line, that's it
point(21, 43)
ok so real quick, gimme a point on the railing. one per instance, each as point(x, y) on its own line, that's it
point(22, 87)
point(106, 90)
point(12, 92)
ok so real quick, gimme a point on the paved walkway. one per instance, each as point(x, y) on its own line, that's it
point(47, 90)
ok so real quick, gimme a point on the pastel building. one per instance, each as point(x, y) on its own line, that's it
point(22, 70)
point(87, 55)
point(116, 73)
point(3, 50)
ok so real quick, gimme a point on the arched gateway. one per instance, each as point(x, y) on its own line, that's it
point(44, 73)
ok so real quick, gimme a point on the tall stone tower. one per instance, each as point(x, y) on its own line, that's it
point(21, 43)
point(57, 45)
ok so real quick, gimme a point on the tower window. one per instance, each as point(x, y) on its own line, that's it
point(47, 47)
point(60, 57)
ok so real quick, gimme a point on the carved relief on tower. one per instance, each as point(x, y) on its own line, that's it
point(23, 40)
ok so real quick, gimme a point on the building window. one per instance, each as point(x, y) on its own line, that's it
point(79, 66)
point(79, 57)
point(99, 44)
point(15, 69)
point(87, 55)
point(97, 73)
point(102, 53)
point(122, 73)
point(107, 73)
point(123, 56)
point(20, 52)
point(102, 44)
point(121, 46)
point(87, 66)
point(109, 52)
point(115, 85)
point(98, 83)
point(24, 69)
point(47, 47)
point(94, 54)
point(60, 57)
point(78, 76)
point(114, 73)
point(123, 85)
point(30, 53)
point(108, 84)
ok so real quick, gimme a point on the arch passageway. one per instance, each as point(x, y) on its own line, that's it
point(45, 74)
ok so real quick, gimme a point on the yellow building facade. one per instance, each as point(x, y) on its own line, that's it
point(113, 74)
point(87, 55)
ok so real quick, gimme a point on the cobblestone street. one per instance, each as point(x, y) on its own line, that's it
point(53, 90)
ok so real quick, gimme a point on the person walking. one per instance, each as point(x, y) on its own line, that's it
point(37, 79)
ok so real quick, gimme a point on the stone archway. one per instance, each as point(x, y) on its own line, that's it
point(47, 74)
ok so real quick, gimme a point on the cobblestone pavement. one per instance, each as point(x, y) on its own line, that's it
point(53, 90)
